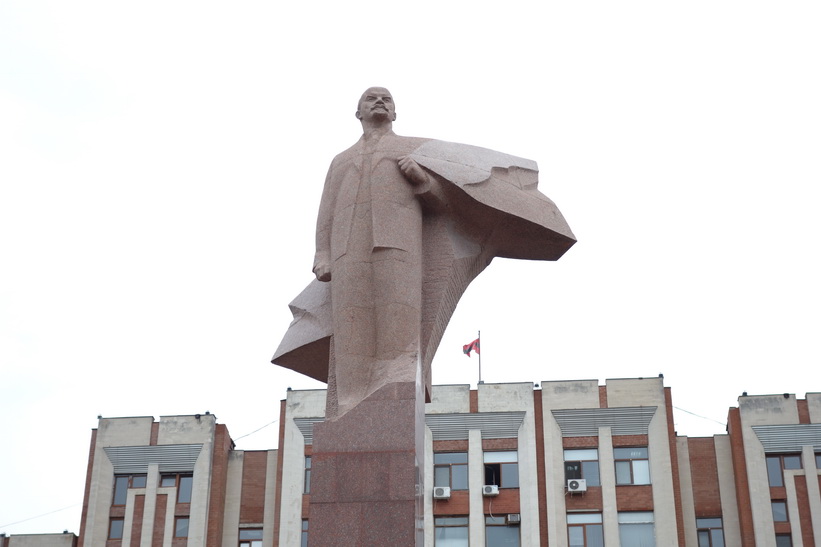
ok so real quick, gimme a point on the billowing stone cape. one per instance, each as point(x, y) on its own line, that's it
point(491, 208)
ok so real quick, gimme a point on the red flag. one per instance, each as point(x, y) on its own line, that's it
point(473, 346)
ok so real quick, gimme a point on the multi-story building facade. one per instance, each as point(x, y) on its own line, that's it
point(570, 463)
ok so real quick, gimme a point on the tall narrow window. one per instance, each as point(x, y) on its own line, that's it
point(710, 532)
point(502, 468)
point(582, 464)
point(783, 540)
point(585, 530)
point(451, 469)
point(115, 529)
point(122, 483)
point(181, 527)
point(184, 483)
point(307, 481)
point(451, 531)
point(304, 538)
point(780, 511)
point(632, 465)
point(776, 465)
point(637, 528)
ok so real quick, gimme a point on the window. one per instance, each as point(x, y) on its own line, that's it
point(632, 465)
point(780, 511)
point(451, 531)
point(181, 527)
point(777, 464)
point(585, 530)
point(710, 532)
point(636, 529)
point(122, 483)
point(818, 461)
point(250, 537)
point(115, 529)
point(582, 464)
point(183, 483)
point(307, 481)
point(304, 540)
point(783, 540)
point(500, 534)
point(451, 469)
point(502, 469)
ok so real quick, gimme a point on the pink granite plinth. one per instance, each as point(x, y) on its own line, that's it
point(366, 472)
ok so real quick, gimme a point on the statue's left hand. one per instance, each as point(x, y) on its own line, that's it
point(412, 171)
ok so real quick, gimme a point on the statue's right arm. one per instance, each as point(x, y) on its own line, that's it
point(322, 259)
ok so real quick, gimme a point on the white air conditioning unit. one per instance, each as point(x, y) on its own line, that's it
point(514, 518)
point(490, 490)
point(441, 492)
point(577, 485)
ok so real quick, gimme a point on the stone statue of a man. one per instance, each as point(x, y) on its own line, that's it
point(404, 225)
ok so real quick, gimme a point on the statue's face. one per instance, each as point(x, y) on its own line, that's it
point(376, 104)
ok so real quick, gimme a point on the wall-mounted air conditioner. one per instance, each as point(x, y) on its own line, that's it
point(577, 485)
point(490, 490)
point(514, 518)
point(441, 492)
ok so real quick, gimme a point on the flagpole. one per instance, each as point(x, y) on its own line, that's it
point(479, 338)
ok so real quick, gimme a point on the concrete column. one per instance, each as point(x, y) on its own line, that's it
point(476, 479)
point(607, 472)
point(688, 505)
point(150, 508)
point(233, 497)
point(726, 488)
point(813, 491)
point(269, 515)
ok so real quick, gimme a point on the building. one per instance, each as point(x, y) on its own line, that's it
point(569, 463)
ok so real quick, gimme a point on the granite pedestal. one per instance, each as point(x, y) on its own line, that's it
point(366, 478)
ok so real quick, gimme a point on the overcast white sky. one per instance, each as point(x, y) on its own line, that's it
point(161, 165)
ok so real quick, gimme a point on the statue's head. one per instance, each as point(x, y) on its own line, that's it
point(376, 104)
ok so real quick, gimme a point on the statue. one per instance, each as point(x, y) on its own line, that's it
point(404, 225)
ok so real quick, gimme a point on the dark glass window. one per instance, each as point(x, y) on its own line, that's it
point(451, 469)
point(502, 468)
point(304, 539)
point(582, 464)
point(783, 540)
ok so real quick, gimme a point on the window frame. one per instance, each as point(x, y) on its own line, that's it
point(702, 525)
point(303, 537)
point(449, 466)
point(503, 524)
point(121, 522)
point(464, 523)
point(503, 469)
point(593, 520)
point(178, 480)
point(632, 461)
point(584, 471)
point(624, 521)
point(783, 460)
point(250, 541)
point(129, 485)
point(177, 521)
point(306, 478)
point(785, 512)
